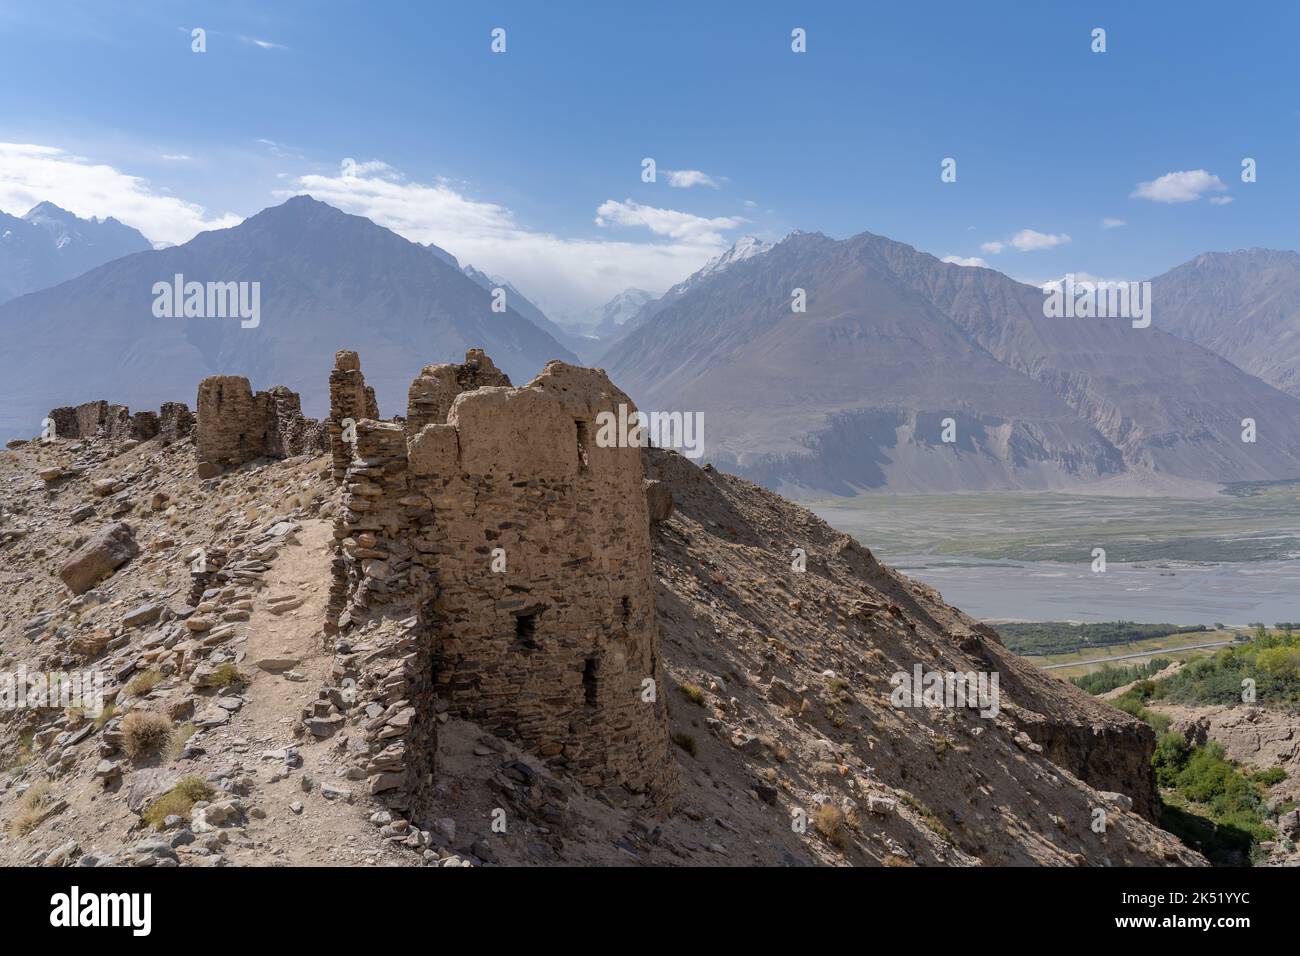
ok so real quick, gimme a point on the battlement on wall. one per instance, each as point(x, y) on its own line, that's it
point(517, 552)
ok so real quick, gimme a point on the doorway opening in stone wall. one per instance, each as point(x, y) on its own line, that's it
point(526, 631)
point(589, 670)
point(584, 439)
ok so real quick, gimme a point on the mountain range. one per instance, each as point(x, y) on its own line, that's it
point(50, 245)
point(853, 394)
point(905, 373)
point(1243, 305)
point(325, 278)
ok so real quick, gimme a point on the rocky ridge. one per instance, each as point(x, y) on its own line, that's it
point(777, 685)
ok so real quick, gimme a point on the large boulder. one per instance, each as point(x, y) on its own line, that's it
point(110, 548)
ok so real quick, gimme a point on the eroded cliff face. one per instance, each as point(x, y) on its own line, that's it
point(1102, 746)
point(807, 664)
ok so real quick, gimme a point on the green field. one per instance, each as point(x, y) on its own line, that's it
point(1088, 659)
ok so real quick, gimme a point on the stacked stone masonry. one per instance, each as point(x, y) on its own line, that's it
point(236, 426)
point(350, 401)
point(513, 554)
point(100, 419)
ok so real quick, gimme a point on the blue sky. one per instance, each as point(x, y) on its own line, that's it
point(528, 163)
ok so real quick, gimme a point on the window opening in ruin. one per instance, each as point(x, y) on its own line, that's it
point(526, 631)
point(589, 681)
point(582, 443)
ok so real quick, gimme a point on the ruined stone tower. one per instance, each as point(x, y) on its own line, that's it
point(234, 425)
point(518, 552)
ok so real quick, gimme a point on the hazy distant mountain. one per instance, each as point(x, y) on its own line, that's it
point(443, 254)
point(616, 313)
point(50, 245)
point(328, 280)
point(1243, 305)
point(853, 393)
point(744, 248)
point(521, 304)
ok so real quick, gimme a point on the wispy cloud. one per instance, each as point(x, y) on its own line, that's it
point(1028, 240)
point(262, 44)
point(1184, 186)
point(558, 272)
point(1220, 200)
point(686, 178)
point(280, 150)
point(972, 261)
point(1112, 223)
point(665, 222)
point(32, 173)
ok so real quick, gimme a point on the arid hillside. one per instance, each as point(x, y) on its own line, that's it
point(233, 735)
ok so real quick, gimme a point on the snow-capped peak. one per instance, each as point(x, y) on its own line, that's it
point(746, 247)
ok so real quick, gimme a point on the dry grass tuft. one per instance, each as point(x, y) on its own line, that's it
point(829, 821)
point(31, 807)
point(144, 732)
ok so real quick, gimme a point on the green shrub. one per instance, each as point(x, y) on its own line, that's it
point(178, 801)
point(693, 693)
point(1211, 806)
point(227, 675)
point(1270, 777)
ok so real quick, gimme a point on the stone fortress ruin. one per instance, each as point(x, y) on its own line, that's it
point(236, 426)
point(516, 555)
point(491, 561)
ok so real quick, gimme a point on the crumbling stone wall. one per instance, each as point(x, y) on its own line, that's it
point(522, 551)
point(350, 397)
point(100, 419)
point(436, 387)
point(175, 421)
point(288, 432)
point(234, 425)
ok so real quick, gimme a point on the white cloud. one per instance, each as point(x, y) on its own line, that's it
point(280, 150)
point(973, 261)
point(665, 222)
point(686, 178)
point(1112, 223)
point(1027, 240)
point(263, 44)
point(1220, 200)
point(1185, 186)
point(370, 167)
point(30, 174)
point(561, 274)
